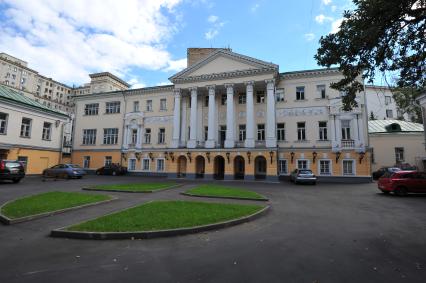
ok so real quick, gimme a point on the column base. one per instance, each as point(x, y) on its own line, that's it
point(249, 143)
point(271, 143)
point(229, 143)
point(191, 144)
point(175, 144)
point(210, 144)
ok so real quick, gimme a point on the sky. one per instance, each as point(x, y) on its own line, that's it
point(144, 42)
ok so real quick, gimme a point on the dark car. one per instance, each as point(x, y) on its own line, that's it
point(380, 172)
point(112, 169)
point(64, 171)
point(403, 182)
point(11, 170)
point(303, 176)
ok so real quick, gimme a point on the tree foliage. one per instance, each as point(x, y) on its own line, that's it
point(405, 99)
point(378, 36)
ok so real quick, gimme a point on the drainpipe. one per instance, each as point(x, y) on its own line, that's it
point(123, 127)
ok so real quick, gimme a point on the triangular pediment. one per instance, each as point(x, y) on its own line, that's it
point(222, 62)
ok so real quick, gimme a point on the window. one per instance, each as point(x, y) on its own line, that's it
point(86, 161)
point(388, 100)
point(163, 104)
point(324, 167)
point(47, 130)
point(161, 135)
point(282, 166)
point(322, 131)
point(281, 131)
point(108, 160)
point(302, 164)
point(132, 164)
point(346, 129)
point(111, 136)
point(160, 164)
point(242, 98)
point(147, 136)
point(3, 123)
point(206, 133)
point(145, 164)
point(261, 132)
point(112, 107)
point(399, 113)
point(206, 101)
point(399, 154)
point(242, 132)
point(348, 167)
point(389, 113)
point(321, 91)
point(26, 128)
point(223, 99)
point(134, 136)
point(149, 105)
point(260, 97)
point(135, 106)
point(301, 131)
point(279, 94)
point(89, 136)
point(300, 93)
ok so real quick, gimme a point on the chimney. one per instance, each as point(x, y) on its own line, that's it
point(196, 54)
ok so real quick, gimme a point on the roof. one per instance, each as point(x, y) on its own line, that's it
point(108, 74)
point(385, 126)
point(12, 95)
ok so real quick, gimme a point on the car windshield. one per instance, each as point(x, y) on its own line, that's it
point(394, 169)
point(305, 172)
point(388, 174)
point(73, 166)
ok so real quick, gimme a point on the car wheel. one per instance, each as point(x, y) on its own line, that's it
point(401, 191)
point(386, 192)
point(16, 181)
point(314, 183)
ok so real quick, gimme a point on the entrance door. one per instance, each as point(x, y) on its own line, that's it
point(239, 167)
point(219, 167)
point(181, 167)
point(260, 167)
point(199, 167)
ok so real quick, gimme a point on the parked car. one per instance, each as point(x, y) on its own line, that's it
point(403, 182)
point(11, 170)
point(64, 171)
point(112, 169)
point(380, 172)
point(303, 176)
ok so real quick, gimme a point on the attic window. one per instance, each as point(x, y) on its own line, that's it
point(395, 127)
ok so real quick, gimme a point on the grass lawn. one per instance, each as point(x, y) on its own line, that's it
point(221, 191)
point(48, 202)
point(137, 187)
point(161, 215)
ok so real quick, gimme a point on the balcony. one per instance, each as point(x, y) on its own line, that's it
point(348, 143)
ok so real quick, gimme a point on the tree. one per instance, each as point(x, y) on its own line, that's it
point(378, 36)
point(372, 117)
point(405, 99)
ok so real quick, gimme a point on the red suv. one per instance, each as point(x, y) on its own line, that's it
point(403, 182)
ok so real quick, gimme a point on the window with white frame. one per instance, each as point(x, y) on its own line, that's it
point(321, 91)
point(300, 93)
point(346, 129)
point(149, 105)
point(260, 97)
point(3, 123)
point(26, 127)
point(111, 136)
point(242, 98)
point(108, 160)
point(281, 132)
point(348, 167)
point(389, 113)
point(279, 95)
point(282, 166)
point(86, 161)
point(89, 136)
point(223, 99)
point(47, 131)
point(324, 167)
point(160, 164)
point(91, 109)
point(388, 100)
point(322, 125)
point(135, 106)
point(260, 132)
point(132, 164)
point(301, 131)
point(163, 104)
point(161, 135)
point(302, 164)
point(147, 136)
point(134, 136)
point(112, 107)
point(242, 132)
point(399, 154)
point(145, 164)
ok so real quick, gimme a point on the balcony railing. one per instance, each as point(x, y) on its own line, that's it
point(348, 143)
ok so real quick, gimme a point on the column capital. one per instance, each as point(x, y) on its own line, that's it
point(229, 86)
point(177, 92)
point(270, 82)
point(247, 83)
point(193, 88)
point(211, 87)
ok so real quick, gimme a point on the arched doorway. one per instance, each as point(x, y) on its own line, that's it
point(181, 167)
point(200, 164)
point(260, 167)
point(239, 167)
point(219, 167)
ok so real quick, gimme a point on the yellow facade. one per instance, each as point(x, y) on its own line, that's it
point(37, 160)
point(97, 158)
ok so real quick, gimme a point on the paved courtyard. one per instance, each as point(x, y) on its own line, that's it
point(323, 233)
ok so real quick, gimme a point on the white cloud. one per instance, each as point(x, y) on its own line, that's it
point(217, 25)
point(164, 83)
point(335, 25)
point(176, 65)
point(135, 83)
point(321, 19)
point(309, 36)
point(333, 8)
point(69, 39)
point(326, 2)
point(254, 7)
point(212, 19)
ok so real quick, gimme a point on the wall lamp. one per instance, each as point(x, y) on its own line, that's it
point(165, 155)
point(228, 154)
point(338, 156)
point(124, 155)
point(138, 156)
point(189, 156)
point(172, 156)
point(248, 156)
point(292, 156)
point(314, 156)
point(271, 154)
point(208, 156)
point(151, 156)
point(361, 156)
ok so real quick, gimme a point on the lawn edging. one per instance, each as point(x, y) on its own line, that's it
point(222, 197)
point(62, 233)
point(9, 221)
point(129, 191)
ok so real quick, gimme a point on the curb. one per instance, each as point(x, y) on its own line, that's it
point(137, 192)
point(9, 221)
point(62, 233)
point(237, 198)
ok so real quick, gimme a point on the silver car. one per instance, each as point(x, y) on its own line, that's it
point(299, 176)
point(64, 171)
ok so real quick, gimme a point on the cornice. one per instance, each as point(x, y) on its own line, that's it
point(310, 73)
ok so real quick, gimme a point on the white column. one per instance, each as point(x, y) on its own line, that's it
point(126, 137)
point(183, 126)
point(271, 133)
point(361, 131)
point(333, 134)
point(139, 137)
point(176, 119)
point(192, 143)
point(230, 137)
point(210, 143)
point(249, 142)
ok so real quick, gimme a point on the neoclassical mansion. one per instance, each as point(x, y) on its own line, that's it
point(226, 116)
